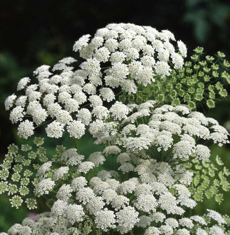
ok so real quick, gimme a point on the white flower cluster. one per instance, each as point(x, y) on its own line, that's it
point(146, 192)
point(154, 194)
point(167, 128)
point(131, 54)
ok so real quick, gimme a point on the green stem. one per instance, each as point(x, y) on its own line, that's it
point(75, 143)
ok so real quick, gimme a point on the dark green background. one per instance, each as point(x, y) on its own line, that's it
point(33, 33)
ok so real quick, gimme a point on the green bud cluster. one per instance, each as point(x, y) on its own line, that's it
point(210, 179)
point(17, 172)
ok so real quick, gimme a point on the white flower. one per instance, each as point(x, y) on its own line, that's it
point(97, 158)
point(104, 175)
point(100, 112)
point(101, 187)
point(84, 195)
point(117, 57)
point(111, 44)
point(108, 195)
point(198, 219)
point(71, 105)
point(91, 66)
point(119, 71)
point(63, 117)
point(163, 55)
point(80, 97)
point(60, 172)
point(53, 109)
point(216, 216)
point(76, 129)
point(129, 86)
point(200, 231)
point(143, 189)
point(183, 231)
point(17, 114)
point(85, 167)
point(21, 101)
point(102, 54)
point(95, 80)
point(111, 150)
point(152, 230)
point(25, 129)
point(172, 222)
point(9, 101)
point(58, 207)
point(203, 152)
point(105, 219)
point(22, 83)
point(177, 61)
point(123, 157)
point(186, 222)
point(55, 129)
point(164, 140)
point(44, 168)
point(182, 48)
point(214, 230)
point(79, 182)
point(144, 221)
point(127, 187)
point(168, 202)
point(183, 149)
point(94, 205)
point(119, 202)
point(113, 183)
point(158, 217)
point(146, 203)
point(126, 219)
point(44, 186)
point(89, 89)
point(97, 41)
point(64, 192)
point(145, 76)
point(126, 167)
point(107, 94)
point(84, 116)
point(74, 213)
point(166, 229)
point(67, 60)
point(81, 42)
point(162, 68)
point(39, 115)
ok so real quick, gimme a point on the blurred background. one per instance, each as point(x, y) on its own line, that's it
point(33, 33)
